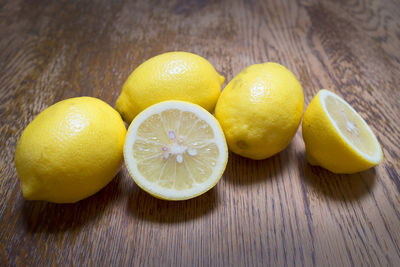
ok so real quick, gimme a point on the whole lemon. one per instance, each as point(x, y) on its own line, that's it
point(260, 110)
point(70, 150)
point(170, 76)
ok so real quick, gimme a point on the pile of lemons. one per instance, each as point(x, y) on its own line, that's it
point(175, 148)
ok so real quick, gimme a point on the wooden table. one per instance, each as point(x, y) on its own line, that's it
point(275, 212)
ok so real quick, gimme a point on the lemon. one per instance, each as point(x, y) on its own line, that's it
point(70, 150)
point(175, 150)
point(260, 110)
point(170, 76)
point(336, 137)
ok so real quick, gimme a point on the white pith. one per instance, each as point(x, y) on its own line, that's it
point(176, 150)
point(351, 126)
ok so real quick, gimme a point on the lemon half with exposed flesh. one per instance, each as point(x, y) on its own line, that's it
point(175, 150)
point(336, 136)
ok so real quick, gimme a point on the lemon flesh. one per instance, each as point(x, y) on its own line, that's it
point(336, 136)
point(260, 110)
point(70, 150)
point(175, 150)
point(170, 76)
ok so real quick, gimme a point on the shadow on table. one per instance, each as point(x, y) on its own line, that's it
point(243, 171)
point(340, 187)
point(40, 216)
point(146, 207)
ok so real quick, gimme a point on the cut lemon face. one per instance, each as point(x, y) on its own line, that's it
point(336, 136)
point(175, 150)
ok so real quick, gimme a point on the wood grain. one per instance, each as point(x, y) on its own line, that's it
point(276, 212)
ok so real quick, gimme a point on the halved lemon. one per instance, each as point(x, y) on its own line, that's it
point(336, 136)
point(175, 150)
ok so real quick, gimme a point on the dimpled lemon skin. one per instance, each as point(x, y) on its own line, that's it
point(170, 76)
point(324, 145)
point(70, 150)
point(260, 110)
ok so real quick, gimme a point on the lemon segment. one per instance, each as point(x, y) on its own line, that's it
point(170, 76)
point(336, 136)
point(175, 150)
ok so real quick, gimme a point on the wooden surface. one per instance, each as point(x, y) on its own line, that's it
point(275, 212)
